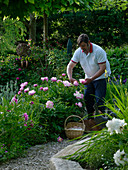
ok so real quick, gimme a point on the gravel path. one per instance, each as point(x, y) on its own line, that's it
point(37, 157)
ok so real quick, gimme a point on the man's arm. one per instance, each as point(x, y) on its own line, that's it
point(70, 67)
point(97, 74)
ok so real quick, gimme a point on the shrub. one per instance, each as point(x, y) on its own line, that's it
point(36, 113)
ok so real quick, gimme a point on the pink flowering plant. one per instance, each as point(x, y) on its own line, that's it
point(35, 108)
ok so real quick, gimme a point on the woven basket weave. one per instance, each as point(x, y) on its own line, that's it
point(72, 133)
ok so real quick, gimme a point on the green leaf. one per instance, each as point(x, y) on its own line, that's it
point(64, 2)
point(71, 2)
point(6, 2)
point(31, 1)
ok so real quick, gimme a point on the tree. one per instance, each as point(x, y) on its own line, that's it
point(28, 8)
point(25, 9)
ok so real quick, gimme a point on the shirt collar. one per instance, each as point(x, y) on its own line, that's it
point(91, 50)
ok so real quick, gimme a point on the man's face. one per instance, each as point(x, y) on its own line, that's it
point(85, 47)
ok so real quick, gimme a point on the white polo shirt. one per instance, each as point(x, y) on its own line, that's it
point(90, 62)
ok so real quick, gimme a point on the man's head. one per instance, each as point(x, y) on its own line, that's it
point(84, 42)
point(83, 38)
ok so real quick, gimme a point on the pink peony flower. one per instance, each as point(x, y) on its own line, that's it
point(25, 116)
point(82, 81)
point(53, 79)
point(66, 83)
point(45, 88)
point(22, 88)
point(19, 69)
point(44, 78)
point(17, 78)
point(41, 88)
point(35, 85)
point(26, 90)
point(75, 83)
point(80, 104)
point(25, 124)
point(14, 99)
point(19, 92)
point(63, 74)
point(23, 85)
point(59, 81)
point(59, 139)
point(32, 92)
point(49, 104)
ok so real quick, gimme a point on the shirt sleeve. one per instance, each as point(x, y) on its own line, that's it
point(101, 57)
point(76, 58)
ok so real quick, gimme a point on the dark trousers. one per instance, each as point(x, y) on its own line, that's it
point(95, 92)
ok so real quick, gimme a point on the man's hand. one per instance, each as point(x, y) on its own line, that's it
point(87, 81)
point(72, 80)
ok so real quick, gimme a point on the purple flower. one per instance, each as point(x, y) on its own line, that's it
point(19, 69)
point(59, 139)
point(25, 124)
point(124, 81)
point(31, 102)
point(17, 78)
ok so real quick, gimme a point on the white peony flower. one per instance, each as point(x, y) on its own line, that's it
point(120, 158)
point(116, 125)
point(78, 95)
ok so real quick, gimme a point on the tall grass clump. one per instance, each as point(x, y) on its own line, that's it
point(108, 148)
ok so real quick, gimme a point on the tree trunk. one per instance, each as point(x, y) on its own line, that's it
point(32, 27)
point(45, 27)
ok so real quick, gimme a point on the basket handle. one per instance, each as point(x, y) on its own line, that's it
point(73, 116)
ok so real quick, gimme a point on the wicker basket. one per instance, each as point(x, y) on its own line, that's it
point(74, 133)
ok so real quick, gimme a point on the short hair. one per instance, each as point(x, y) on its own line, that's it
point(82, 38)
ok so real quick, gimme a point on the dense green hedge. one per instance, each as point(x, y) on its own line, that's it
point(104, 27)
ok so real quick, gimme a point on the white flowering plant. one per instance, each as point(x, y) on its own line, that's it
point(108, 148)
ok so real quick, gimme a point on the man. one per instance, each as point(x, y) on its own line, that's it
point(94, 62)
